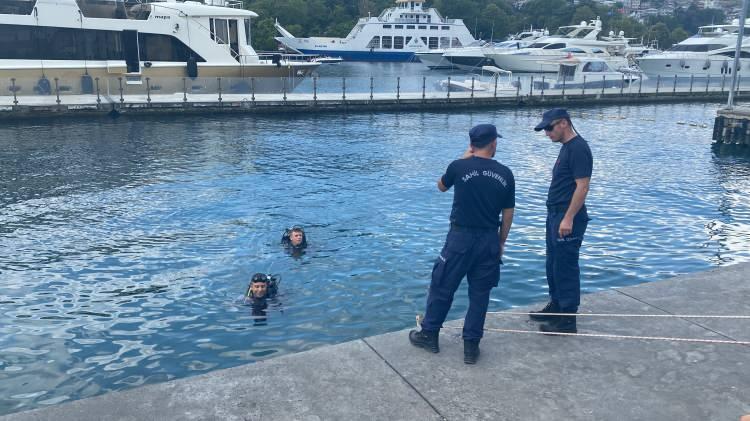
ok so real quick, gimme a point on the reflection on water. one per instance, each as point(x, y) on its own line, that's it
point(127, 242)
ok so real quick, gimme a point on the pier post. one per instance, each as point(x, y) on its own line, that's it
point(583, 87)
point(449, 89)
point(184, 89)
point(658, 82)
point(13, 88)
point(708, 79)
point(424, 84)
point(531, 87)
point(723, 80)
point(98, 96)
point(218, 79)
point(252, 90)
point(283, 87)
point(398, 89)
point(372, 85)
point(604, 82)
point(57, 91)
point(691, 83)
point(122, 99)
point(563, 92)
point(674, 85)
point(622, 84)
point(496, 77)
point(543, 86)
point(315, 90)
point(640, 85)
point(472, 87)
point(343, 89)
point(518, 86)
point(148, 90)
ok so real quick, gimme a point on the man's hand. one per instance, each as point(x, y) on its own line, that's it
point(566, 227)
point(468, 153)
point(502, 250)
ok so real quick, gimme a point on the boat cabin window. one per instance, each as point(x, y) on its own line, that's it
point(538, 45)
point(407, 40)
point(555, 46)
point(595, 66)
point(374, 42)
point(398, 43)
point(743, 54)
point(433, 44)
point(574, 50)
point(433, 27)
point(456, 43)
point(22, 42)
point(398, 27)
point(584, 32)
point(566, 73)
point(409, 26)
point(445, 28)
point(17, 7)
point(114, 9)
point(422, 26)
point(386, 26)
point(248, 32)
point(701, 48)
point(387, 42)
point(598, 51)
point(564, 31)
point(219, 30)
point(445, 42)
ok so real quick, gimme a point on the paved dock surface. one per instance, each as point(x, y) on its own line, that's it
point(520, 376)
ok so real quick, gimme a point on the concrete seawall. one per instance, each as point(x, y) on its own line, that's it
point(520, 376)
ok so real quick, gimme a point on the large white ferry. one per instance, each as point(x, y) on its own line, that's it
point(710, 52)
point(77, 41)
point(395, 35)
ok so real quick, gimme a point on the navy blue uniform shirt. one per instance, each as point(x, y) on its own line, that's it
point(574, 161)
point(483, 188)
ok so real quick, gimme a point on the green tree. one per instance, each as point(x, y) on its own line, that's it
point(660, 32)
point(678, 34)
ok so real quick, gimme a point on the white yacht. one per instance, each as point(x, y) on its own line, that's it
point(77, 41)
point(710, 52)
point(395, 35)
point(573, 40)
point(588, 73)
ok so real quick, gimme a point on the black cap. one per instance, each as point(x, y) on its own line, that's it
point(551, 115)
point(483, 134)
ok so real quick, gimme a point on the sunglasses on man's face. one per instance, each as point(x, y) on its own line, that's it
point(551, 126)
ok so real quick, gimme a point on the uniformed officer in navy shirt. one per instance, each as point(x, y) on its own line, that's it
point(567, 220)
point(483, 204)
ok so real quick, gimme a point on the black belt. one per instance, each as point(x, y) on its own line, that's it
point(460, 228)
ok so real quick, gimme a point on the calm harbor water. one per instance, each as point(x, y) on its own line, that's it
point(126, 243)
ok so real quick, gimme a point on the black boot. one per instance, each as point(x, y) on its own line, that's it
point(539, 316)
point(560, 324)
point(471, 351)
point(425, 339)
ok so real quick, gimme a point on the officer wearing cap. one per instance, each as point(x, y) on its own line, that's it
point(483, 204)
point(567, 219)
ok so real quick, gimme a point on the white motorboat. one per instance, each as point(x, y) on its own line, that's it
point(588, 72)
point(327, 60)
point(74, 42)
point(492, 79)
point(576, 40)
point(709, 53)
point(395, 35)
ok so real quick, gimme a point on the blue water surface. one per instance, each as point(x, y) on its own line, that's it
point(127, 242)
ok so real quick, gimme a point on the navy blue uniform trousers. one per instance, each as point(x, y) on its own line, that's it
point(476, 255)
point(563, 272)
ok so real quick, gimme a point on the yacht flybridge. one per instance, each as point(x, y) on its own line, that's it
point(395, 35)
point(77, 41)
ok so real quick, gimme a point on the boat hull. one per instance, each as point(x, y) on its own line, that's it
point(685, 67)
point(391, 56)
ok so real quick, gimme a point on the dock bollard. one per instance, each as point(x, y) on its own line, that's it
point(583, 87)
point(622, 84)
point(122, 99)
point(691, 83)
point(531, 87)
point(148, 90)
point(283, 88)
point(449, 89)
point(98, 96)
point(472, 87)
point(496, 77)
point(13, 88)
point(218, 80)
point(563, 92)
point(398, 89)
point(57, 91)
point(343, 89)
point(184, 90)
point(604, 83)
point(542, 87)
point(640, 85)
point(252, 90)
point(518, 87)
point(723, 80)
point(674, 85)
point(372, 84)
point(424, 85)
point(708, 79)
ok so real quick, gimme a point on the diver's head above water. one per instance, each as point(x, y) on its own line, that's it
point(294, 237)
point(262, 286)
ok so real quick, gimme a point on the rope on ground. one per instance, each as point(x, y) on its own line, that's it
point(609, 336)
point(676, 316)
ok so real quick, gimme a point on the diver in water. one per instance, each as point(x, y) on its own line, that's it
point(261, 288)
point(295, 240)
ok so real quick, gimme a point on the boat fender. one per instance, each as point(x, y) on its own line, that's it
point(682, 63)
point(276, 59)
point(87, 85)
point(707, 64)
point(724, 66)
point(43, 86)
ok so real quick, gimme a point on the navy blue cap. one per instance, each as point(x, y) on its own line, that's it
point(483, 134)
point(551, 115)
